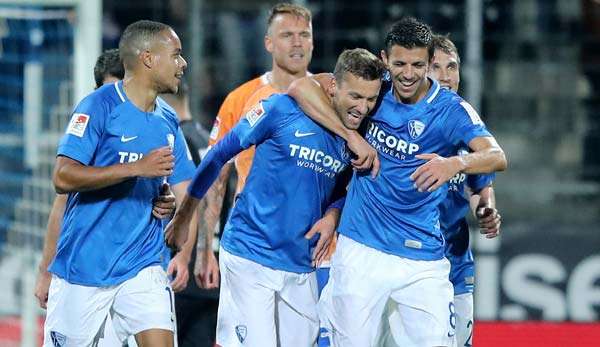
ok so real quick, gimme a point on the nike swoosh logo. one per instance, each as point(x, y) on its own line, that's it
point(299, 134)
point(127, 139)
point(451, 335)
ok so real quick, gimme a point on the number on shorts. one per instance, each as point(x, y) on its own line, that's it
point(469, 343)
point(170, 294)
point(452, 315)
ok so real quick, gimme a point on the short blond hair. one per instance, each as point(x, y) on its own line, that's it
point(287, 8)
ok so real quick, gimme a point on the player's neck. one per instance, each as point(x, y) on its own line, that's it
point(281, 79)
point(140, 93)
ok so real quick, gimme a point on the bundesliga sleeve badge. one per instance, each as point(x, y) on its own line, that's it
point(78, 123)
point(255, 114)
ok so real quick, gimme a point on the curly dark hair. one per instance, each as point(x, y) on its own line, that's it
point(409, 33)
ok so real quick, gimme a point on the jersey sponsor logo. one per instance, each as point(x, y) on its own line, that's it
point(58, 339)
point(316, 160)
point(475, 119)
point(129, 157)
point(455, 183)
point(171, 141)
point(255, 114)
point(127, 139)
point(214, 132)
point(415, 128)
point(78, 123)
point(390, 144)
point(300, 134)
point(241, 331)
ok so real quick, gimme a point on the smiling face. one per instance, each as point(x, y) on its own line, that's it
point(289, 40)
point(168, 63)
point(446, 69)
point(354, 97)
point(408, 68)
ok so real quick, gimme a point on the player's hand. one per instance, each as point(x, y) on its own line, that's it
point(176, 232)
point(435, 172)
point(158, 163)
point(206, 269)
point(163, 206)
point(42, 286)
point(366, 155)
point(326, 227)
point(178, 266)
point(489, 221)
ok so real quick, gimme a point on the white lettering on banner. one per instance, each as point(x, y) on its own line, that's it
point(535, 282)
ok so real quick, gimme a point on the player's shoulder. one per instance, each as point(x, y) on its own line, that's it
point(245, 90)
point(101, 100)
point(282, 103)
point(453, 103)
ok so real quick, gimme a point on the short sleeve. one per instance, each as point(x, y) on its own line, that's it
point(85, 130)
point(478, 182)
point(260, 121)
point(184, 166)
point(463, 124)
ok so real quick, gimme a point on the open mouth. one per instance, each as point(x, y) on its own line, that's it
point(407, 85)
point(297, 56)
point(355, 117)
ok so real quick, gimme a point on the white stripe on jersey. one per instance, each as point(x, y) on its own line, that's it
point(472, 113)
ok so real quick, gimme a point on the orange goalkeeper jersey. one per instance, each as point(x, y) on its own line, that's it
point(229, 115)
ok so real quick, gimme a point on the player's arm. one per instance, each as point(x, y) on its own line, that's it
point(312, 97)
point(483, 207)
point(53, 231)
point(72, 176)
point(206, 269)
point(179, 263)
point(487, 156)
point(205, 175)
point(327, 225)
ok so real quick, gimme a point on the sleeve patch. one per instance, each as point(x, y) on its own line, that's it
point(214, 132)
point(472, 113)
point(78, 123)
point(255, 114)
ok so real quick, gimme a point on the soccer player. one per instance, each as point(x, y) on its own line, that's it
point(121, 145)
point(108, 69)
point(462, 189)
point(268, 289)
point(289, 41)
point(392, 221)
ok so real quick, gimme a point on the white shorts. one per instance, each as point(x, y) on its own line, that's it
point(77, 314)
point(364, 283)
point(260, 306)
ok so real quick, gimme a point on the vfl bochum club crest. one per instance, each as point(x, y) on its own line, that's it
point(415, 128)
point(241, 332)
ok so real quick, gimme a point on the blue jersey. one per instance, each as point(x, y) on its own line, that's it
point(289, 186)
point(108, 235)
point(455, 227)
point(388, 213)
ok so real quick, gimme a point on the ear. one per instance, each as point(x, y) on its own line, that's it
point(268, 44)
point(146, 58)
point(331, 88)
point(384, 57)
